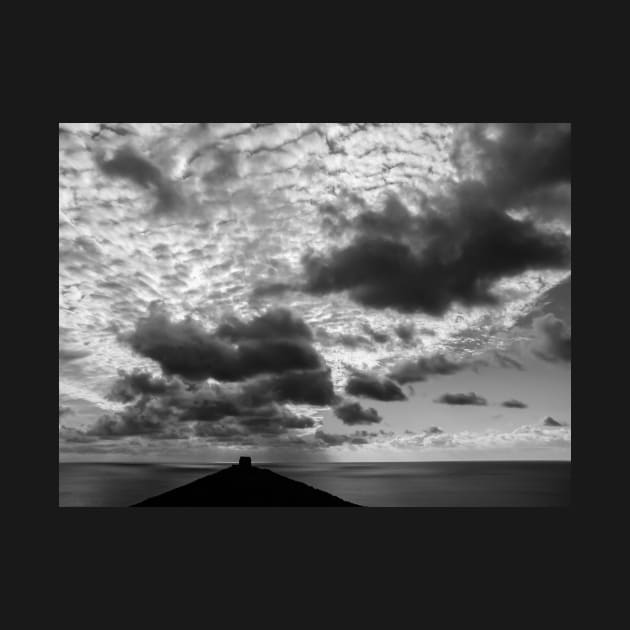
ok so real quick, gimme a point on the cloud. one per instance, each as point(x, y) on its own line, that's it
point(375, 335)
point(516, 404)
point(126, 424)
point(258, 187)
point(422, 368)
point(405, 331)
point(344, 339)
point(72, 354)
point(266, 422)
point(353, 413)
point(336, 439)
point(279, 322)
point(531, 436)
point(208, 413)
point(127, 163)
point(506, 361)
point(265, 289)
point(372, 386)
point(226, 167)
point(461, 399)
point(131, 385)
point(427, 331)
point(550, 422)
point(63, 410)
point(313, 387)
point(522, 164)
point(267, 344)
point(170, 408)
point(432, 436)
point(454, 252)
point(70, 435)
point(553, 339)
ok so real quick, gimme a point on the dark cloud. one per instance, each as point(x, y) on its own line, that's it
point(522, 164)
point(434, 431)
point(464, 240)
point(516, 404)
point(63, 410)
point(142, 418)
point(271, 343)
point(550, 422)
point(190, 400)
point(453, 252)
point(279, 322)
point(213, 414)
point(162, 408)
point(129, 386)
point(210, 407)
point(353, 413)
point(127, 163)
point(269, 421)
point(372, 386)
point(553, 339)
point(313, 387)
point(461, 399)
point(422, 368)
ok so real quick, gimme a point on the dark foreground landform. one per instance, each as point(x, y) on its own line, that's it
point(242, 486)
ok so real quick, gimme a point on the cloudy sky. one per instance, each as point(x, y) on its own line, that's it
point(314, 291)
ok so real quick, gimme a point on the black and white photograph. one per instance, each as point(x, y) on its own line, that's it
point(315, 315)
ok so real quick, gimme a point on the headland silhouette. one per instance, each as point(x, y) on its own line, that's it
point(245, 485)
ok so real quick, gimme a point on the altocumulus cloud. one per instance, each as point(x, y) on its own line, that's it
point(439, 244)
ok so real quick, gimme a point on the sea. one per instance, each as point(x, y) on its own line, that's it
point(382, 484)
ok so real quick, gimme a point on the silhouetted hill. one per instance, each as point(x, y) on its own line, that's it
point(243, 485)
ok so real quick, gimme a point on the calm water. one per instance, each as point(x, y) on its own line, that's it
point(403, 484)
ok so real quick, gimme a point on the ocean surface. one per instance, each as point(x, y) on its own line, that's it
point(397, 484)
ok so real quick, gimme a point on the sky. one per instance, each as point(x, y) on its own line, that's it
point(314, 291)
